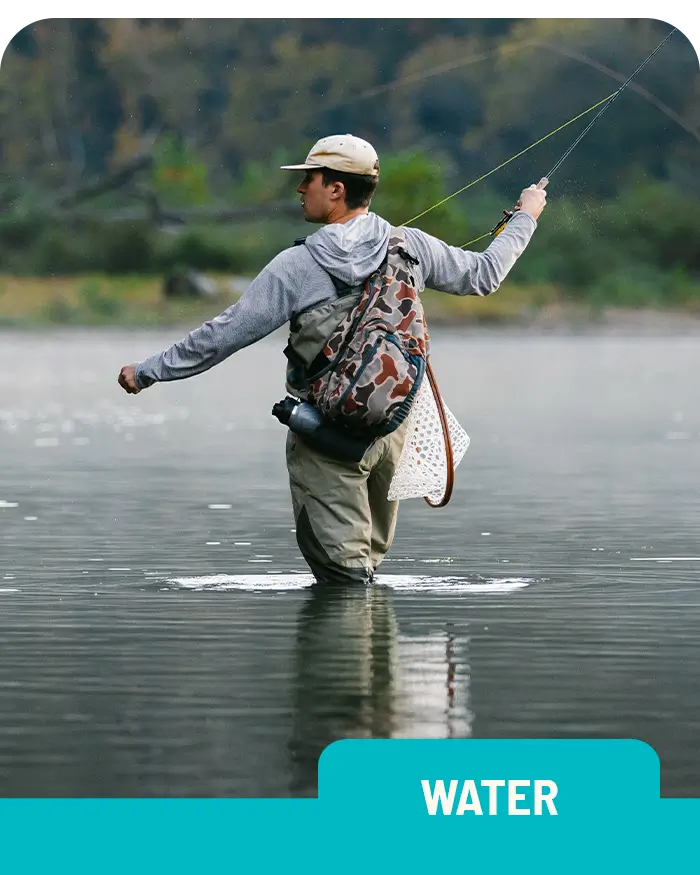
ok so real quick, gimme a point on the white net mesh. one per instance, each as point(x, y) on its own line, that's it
point(422, 468)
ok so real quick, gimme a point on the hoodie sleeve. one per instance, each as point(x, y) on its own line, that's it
point(268, 302)
point(461, 272)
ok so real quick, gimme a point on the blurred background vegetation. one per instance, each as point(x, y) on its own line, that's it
point(134, 148)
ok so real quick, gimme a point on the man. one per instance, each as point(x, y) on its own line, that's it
point(344, 521)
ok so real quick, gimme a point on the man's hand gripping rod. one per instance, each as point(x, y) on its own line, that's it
point(508, 214)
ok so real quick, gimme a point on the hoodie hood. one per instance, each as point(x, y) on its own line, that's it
point(351, 250)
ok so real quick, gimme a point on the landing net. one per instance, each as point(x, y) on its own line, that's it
point(422, 468)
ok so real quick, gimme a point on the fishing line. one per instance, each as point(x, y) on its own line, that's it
point(532, 146)
point(508, 214)
point(606, 102)
point(414, 78)
point(638, 89)
point(611, 101)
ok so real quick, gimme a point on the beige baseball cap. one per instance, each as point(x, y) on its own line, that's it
point(341, 152)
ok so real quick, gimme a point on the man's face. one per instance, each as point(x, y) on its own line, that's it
point(316, 200)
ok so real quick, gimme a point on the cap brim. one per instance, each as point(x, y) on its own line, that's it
point(301, 167)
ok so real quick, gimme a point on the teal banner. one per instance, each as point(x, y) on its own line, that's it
point(388, 806)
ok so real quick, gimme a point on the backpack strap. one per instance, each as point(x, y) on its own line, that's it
point(401, 250)
point(406, 255)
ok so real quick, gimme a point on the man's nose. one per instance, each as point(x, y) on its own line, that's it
point(301, 188)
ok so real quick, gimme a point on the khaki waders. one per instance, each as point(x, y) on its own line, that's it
point(344, 522)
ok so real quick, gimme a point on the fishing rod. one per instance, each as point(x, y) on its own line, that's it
point(508, 214)
point(503, 164)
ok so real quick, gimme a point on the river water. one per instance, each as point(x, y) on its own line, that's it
point(159, 633)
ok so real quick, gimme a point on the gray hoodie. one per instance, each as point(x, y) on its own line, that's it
point(297, 279)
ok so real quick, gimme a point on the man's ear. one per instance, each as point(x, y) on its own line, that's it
point(338, 191)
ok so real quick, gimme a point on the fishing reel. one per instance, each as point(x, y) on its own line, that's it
point(507, 216)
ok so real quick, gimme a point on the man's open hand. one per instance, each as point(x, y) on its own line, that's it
point(126, 380)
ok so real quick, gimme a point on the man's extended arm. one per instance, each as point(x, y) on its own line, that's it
point(461, 272)
point(265, 305)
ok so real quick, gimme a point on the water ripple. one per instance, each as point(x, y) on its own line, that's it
point(401, 583)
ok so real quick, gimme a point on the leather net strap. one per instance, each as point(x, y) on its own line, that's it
point(449, 458)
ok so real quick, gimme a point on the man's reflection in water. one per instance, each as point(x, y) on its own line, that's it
point(357, 677)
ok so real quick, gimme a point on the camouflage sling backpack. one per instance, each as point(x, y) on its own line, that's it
point(367, 375)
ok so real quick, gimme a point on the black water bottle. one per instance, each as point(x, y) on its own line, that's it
point(304, 419)
point(300, 416)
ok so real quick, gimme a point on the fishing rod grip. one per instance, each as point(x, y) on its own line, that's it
point(508, 214)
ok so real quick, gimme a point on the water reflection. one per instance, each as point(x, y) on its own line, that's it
point(357, 676)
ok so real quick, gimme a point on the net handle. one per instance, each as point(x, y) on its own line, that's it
point(449, 457)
